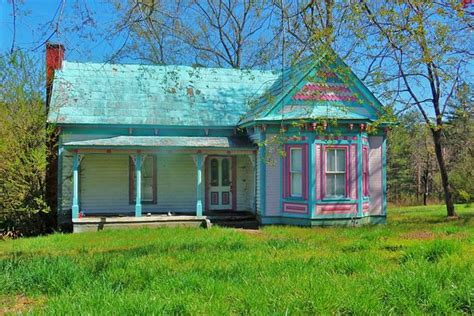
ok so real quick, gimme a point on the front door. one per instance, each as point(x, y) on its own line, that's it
point(220, 183)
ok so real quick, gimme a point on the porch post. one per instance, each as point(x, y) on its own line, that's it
point(75, 185)
point(199, 160)
point(138, 185)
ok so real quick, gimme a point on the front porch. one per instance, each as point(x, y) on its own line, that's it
point(226, 219)
point(159, 184)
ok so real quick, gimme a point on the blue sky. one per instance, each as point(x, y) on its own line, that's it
point(34, 26)
point(36, 21)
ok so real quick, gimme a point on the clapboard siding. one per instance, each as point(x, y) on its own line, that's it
point(375, 175)
point(273, 185)
point(65, 195)
point(245, 185)
point(103, 183)
point(258, 161)
point(176, 187)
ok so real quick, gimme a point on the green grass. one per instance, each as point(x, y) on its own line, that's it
point(417, 263)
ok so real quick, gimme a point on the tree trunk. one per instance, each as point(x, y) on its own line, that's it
point(448, 198)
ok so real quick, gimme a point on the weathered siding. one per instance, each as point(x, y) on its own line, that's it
point(273, 183)
point(176, 175)
point(65, 195)
point(317, 167)
point(258, 190)
point(103, 183)
point(375, 175)
point(353, 172)
point(245, 184)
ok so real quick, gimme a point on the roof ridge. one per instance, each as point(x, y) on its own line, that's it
point(272, 72)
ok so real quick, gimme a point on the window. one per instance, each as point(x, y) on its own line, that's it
point(214, 172)
point(225, 172)
point(296, 172)
point(335, 172)
point(365, 171)
point(148, 181)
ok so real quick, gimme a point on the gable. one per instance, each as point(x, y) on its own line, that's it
point(319, 89)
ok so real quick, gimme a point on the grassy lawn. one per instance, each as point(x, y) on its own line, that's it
point(418, 263)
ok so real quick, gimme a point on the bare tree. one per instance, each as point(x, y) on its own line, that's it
point(224, 33)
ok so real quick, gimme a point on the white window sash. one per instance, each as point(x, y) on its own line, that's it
point(296, 172)
point(331, 192)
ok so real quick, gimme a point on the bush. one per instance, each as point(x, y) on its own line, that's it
point(23, 148)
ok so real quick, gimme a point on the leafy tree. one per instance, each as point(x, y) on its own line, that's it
point(23, 150)
point(418, 52)
point(460, 144)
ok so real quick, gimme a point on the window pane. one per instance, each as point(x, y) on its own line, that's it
point(340, 184)
point(147, 179)
point(225, 172)
point(214, 172)
point(330, 185)
point(331, 161)
point(296, 160)
point(296, 185)
point(341, 160)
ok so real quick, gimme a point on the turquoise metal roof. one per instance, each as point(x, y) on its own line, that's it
point(164, 141)
point(109, 94)
point(99, 94)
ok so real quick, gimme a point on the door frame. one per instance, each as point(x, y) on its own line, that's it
point(233, 190)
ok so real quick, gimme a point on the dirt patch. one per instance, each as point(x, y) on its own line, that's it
point(250, 231)
point(17, 304)
point(419, 235)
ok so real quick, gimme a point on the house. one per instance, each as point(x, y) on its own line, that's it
point(293, 147)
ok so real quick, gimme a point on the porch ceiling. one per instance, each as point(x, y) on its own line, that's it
point(164, 141)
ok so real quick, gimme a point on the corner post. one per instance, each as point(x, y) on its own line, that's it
point(75, 184)
point(138, 185)
point(199, 160)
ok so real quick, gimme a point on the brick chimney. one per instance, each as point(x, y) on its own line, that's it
point(54, 60)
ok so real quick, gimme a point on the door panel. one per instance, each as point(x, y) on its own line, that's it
point(220, 183)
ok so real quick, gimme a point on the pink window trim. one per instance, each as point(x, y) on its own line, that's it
point(324, 148)
point(286, 170)
point(365, 170)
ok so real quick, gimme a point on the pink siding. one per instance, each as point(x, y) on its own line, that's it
point(365, 208)
point(317, 166)
point(272, 186)
point(295, 208)
point(353, 172)
point(336, 209)
point(375, 175)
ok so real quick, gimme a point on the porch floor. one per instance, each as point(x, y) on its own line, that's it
point(221, 218)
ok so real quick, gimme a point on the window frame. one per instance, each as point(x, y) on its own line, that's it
point(325, 172)
point(131, 182)
point(295, 172)
point(287, 172)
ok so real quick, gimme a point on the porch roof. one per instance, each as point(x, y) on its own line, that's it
point(164, 141)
